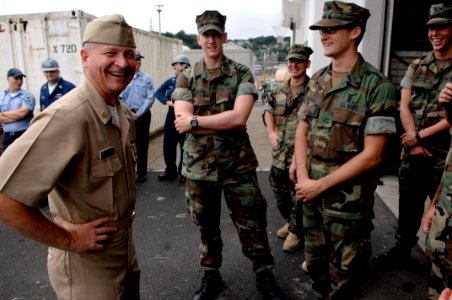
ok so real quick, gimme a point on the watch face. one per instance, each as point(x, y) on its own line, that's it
point(194, 123)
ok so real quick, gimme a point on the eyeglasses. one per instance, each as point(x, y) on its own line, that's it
point(19, 78)
point(53, 71)
point(331, 30)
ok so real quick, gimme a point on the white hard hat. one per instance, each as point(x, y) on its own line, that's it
point(50, 65)
point(181, 59)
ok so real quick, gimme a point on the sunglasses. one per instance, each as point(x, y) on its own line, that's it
point(332, 30)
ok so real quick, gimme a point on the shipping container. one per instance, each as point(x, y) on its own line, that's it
point(27, 39)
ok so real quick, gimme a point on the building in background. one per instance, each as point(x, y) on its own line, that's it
point(27, 39)
point(395, 33)
point(231, 50)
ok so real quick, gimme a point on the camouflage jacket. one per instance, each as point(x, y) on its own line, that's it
point(425, 81)
point(438, 246)
point(224, 154)
point(338, 119)
point(284, 107)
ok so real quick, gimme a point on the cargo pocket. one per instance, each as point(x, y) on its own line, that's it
point(102, 182)
point(346, 126)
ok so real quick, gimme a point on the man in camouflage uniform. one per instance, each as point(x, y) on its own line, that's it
point(437, 221)
point(213, 101)
point(426, 134)
point(281, 120)
point(340, 140)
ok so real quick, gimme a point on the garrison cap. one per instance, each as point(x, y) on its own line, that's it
point(337, 13)
point(300, 52)
point(15, 72)
point(440, 14)
point(109, 30)
point(210, 20)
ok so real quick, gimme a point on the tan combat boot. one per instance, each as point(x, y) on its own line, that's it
point(283, 232)
point(291, 243)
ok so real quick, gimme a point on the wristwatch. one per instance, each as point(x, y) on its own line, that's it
point(194, 122)
point(418, 138)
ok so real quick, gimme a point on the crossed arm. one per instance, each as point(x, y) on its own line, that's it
point(235, 118)
point(14, 115)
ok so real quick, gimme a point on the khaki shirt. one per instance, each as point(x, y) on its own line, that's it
point(74, 152)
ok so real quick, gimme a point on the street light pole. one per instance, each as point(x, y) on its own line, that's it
point(159, 8)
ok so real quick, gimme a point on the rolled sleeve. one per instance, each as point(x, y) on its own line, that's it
point(182, 94)
point(380, 125)
point(247, 88)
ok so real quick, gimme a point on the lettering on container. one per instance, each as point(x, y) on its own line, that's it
point(64, 48)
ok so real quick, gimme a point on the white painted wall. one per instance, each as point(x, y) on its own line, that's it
point(371, 47)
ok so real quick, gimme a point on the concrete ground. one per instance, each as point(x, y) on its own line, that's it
point(167, 244)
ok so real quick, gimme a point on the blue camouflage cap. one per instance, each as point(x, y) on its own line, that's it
point(337, 13)
point(440, 14)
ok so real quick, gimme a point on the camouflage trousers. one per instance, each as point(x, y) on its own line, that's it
point(437, 282)
point(336, 252)
point(419, 177)
point(286, 201)
point(248, 211)
point(438, 244)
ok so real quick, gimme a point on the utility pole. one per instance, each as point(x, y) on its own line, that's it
point(159, 8)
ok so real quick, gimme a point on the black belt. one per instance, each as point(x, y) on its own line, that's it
point(13, 133)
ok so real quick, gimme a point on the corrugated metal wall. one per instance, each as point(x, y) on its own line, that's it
point(26, 40)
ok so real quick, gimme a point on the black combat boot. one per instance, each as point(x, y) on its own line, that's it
point(397, 257)
point(267, 286)
point(211, 286)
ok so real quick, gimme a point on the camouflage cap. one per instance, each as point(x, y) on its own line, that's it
point(337, 13)
point(109, 30)
point(210, 20)
point(299, 52)
point(440, 14)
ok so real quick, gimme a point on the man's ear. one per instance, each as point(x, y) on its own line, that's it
point(355, 32)
point(84, 56)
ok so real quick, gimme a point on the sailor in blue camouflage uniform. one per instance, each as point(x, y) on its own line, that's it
point(213, 101)
point(340, 141)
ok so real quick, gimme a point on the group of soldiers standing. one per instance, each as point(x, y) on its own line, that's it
point(328, 132)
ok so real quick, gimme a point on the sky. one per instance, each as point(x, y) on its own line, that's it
point(245, 18)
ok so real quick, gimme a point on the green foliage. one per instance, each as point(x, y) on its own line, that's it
point(188, 40)
point(259, 45)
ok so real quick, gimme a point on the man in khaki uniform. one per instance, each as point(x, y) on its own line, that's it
point(89, 179)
